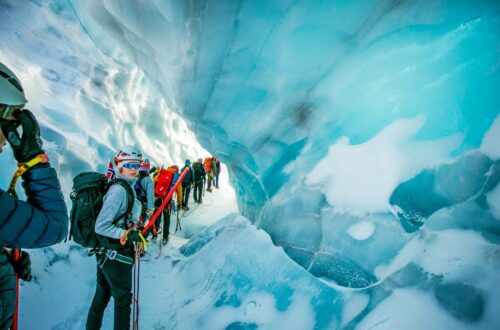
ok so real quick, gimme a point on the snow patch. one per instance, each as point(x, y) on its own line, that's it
point(361, 230)
point(362, 177)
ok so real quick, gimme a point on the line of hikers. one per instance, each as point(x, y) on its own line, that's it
point(151, 192)
point(111, 214)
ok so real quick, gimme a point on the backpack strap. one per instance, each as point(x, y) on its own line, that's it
point(130, 197)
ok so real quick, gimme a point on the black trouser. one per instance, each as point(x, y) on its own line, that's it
point(114, 279)
point(166, 221)
point(186, 189)
point(198, 190)
point(166, 216)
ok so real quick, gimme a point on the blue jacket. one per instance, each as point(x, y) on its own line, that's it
point(39, 222)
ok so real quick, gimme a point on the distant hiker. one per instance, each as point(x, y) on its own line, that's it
point(164, 181)
point(115, 261)
point(178, 191)
point(210, 173)
point(199, 178)
point(145, 190)
point(170, 207)
point(40, 221)
point(216, 164)
point(186, 184)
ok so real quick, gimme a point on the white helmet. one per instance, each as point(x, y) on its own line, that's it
point(127, 154)
point(11, 91)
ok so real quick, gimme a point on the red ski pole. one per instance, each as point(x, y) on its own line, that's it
point(165, 201)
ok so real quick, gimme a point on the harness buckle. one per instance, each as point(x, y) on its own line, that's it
point(112, 254)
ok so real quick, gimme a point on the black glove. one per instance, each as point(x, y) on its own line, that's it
point(22, 266)
point(30, 144)
point(134, 236)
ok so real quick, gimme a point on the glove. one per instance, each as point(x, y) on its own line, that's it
point(134, 236)
point(22, 266)
point(150, 212)
point(30, 144)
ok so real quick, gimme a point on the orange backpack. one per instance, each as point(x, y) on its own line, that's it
point(208, 164)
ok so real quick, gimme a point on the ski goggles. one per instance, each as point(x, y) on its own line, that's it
point(130, 166)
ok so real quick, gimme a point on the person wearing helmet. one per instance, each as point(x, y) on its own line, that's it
point(199, 179)
point(114, 261)
point(171, 206)
point(186, 184)
point(145, 190)
point(43, 219)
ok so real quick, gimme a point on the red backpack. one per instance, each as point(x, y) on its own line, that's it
point(162, 186)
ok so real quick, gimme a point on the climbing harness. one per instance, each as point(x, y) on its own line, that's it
point(108, 254)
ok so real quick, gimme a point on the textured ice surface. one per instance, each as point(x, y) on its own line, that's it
point(328, 114)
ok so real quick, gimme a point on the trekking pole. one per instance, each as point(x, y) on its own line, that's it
point(134, 295)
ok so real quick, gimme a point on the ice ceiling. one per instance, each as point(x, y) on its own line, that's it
point(359, 134)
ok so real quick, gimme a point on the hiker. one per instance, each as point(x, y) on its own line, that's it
point(171, 206)
point(199, 179)
point(164, 182)
point(115, 261)
point(216, 166)
point(186, 184)
point(43, 219)
point(145, 191)
point(209, 172)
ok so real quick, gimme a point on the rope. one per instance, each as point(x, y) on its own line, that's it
point(137, 271)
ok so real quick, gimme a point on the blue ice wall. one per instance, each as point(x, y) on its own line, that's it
point(360, 135)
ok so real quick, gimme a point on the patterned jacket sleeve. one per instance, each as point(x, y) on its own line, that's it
point(40, 221)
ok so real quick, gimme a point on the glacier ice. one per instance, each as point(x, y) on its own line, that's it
point(328, 114)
